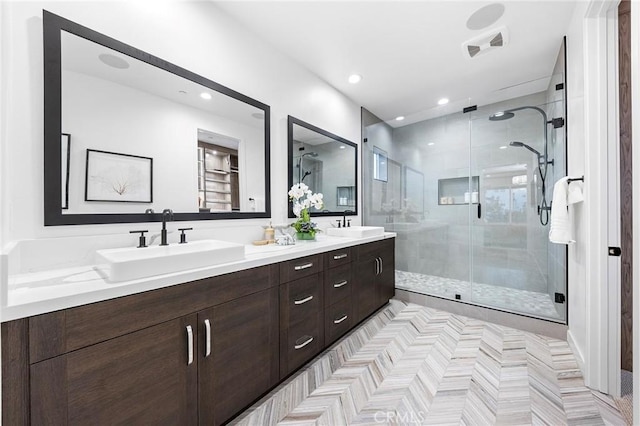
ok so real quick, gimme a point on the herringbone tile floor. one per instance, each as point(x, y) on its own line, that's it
point(414, 365)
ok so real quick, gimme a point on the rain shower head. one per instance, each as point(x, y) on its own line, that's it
point(311, 154)
point(501, 115)
point(517, 144)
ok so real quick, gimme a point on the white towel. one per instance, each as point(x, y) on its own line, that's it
point(575, 192)
point(561, 226)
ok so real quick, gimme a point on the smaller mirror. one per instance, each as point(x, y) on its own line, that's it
point(326, 163)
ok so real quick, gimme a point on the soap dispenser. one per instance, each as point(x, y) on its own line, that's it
point(270, 234)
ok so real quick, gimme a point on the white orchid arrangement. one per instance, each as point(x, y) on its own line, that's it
point(303, 199)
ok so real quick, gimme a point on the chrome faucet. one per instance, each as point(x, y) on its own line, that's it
point(167, 214)
point(344, 218)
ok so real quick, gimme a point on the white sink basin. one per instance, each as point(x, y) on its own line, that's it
point(124, 264)
point(356, 231)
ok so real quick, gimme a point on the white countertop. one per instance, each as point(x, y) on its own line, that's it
point(47, 291)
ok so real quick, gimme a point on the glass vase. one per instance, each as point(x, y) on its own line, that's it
point(305, 236)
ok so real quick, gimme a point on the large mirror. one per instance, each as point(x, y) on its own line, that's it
point(128, 135)
point(326, 163)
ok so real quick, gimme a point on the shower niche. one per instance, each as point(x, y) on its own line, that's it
point(458, 191)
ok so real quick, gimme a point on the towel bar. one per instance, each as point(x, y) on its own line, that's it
point(581, 179)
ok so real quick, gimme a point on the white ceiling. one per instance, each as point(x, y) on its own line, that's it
point(409, 53)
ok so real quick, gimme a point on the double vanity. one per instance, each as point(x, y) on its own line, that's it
point(94, 332)
point(191, 350)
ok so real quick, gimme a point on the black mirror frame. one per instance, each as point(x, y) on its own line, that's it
point(290, 122)
point(52, 27)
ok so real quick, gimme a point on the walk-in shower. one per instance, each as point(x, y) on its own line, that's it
point(468, 194)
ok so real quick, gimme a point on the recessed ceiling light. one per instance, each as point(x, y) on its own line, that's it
point(342, 147)
point(503, 147)
point(443, 101)
point(205, 95)
point(400, 118)
point(355, 78)
point(113, 61)
point(431, 143)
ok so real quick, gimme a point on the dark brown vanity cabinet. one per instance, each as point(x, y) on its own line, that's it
point(374, 282)
point(187, 354)
point(194, 353)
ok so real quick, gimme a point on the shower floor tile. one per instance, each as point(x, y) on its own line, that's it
point(509, 299)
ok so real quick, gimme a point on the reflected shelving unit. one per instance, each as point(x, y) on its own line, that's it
point(218, 188)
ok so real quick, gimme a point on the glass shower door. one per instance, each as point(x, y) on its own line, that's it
point(510, 251)
point(414, 180)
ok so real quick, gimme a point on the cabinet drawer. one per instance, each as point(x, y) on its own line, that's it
point(304, 295)
point(338, 257)
point(338, 320)
point(337, 284)
point(301, 322)
point(298, 268)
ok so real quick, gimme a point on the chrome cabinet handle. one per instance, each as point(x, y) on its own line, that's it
point(189, 345)
point(340, 284)
point(207, 342)
point(302, 301)
point(381, 265)
point(303, 344)
point(340, 256)
point(301, 267)
point(339, 320)
point(377, 266)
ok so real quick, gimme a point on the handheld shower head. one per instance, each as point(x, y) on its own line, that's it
point(517, 144)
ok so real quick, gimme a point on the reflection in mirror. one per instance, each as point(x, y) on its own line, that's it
point(326, 163)
point(209, 145)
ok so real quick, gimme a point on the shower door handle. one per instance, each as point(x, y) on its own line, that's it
point(479, 210)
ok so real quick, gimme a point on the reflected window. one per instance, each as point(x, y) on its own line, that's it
point(379, 164)
point(506, 205)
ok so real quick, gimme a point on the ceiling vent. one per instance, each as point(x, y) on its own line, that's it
point(487, 42)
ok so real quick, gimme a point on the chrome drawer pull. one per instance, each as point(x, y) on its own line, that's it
point(340, 256)
point(305, 266)
point(303, 344)
point(189, 345)
point(302, 301)
point(338, 321)
point(207, 327)
point(340, 284)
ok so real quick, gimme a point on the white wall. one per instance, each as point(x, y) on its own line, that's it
point(193, 35)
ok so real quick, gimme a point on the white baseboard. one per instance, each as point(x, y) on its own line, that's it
point(577, 353)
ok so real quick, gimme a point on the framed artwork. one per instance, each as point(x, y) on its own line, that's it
point(114, 177)
point(65, 156)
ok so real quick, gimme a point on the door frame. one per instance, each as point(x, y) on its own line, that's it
point(602, 349)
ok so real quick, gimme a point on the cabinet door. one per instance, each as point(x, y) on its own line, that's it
point(365, 292)
point(386, 279)
point(240, 362)
point(140, 378)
